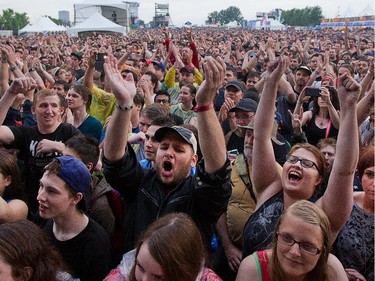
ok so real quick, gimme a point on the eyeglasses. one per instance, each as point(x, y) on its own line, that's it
point(162, 101)
point(244, 117)
point(303, 246)
point(304, 162)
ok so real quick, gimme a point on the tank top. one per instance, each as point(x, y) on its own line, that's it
point(261, 260)
point(314, 133)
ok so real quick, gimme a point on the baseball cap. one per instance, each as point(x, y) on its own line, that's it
point(185, 134)
point(305, 68)
point(273, 134)
point(78, 55)
point(235, 83)
point(159, 64)
point(245, 104)
point(187, 68)
point(74, 173)
point(55, 71)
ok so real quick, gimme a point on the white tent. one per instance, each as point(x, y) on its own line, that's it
point(270, 24)
point(96, 23)
point(42, 24)
point(87, 8)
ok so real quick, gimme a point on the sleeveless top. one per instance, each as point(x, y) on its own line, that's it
point(357, 238)
point(314, 133)
point(261, 259)
point(259, 228)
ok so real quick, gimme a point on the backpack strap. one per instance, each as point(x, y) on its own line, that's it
point(242, 170)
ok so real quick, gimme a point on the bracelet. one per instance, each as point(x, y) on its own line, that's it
point(202, 108)
point(124, 107)
point(31, 69)
point(13, 68)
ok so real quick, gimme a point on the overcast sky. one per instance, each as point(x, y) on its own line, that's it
point(195, 11)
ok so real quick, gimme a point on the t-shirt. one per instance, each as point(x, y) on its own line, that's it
point(26, 139)
point(186, 115)
point(87, 255)
point(102, 104)
point(91, 127)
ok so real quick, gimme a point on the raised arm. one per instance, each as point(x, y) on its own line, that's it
point(337, 201)
point(4, 76)
point(209, 129)
point(124, 90)
point(266, 177)
point(19, 85)
point(365, 104)
point(88, 79)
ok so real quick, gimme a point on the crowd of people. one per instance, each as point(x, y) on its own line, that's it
point(188, 154)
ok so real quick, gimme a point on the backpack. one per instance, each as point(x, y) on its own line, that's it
point(116, 202)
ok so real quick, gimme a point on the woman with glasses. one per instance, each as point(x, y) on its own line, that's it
point(294, 254)
point(304, 169)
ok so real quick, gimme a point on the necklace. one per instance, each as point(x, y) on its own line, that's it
point(322, 121)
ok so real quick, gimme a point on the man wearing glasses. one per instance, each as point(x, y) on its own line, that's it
point(163, 98)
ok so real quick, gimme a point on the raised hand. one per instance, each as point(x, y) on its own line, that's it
point(275, 70)
point(325, 95)
point(91, 60)
point(21, 85)
point(297, 121)
point(302, 96)
point(214, 70)
point(348, 91)
point(123, 89)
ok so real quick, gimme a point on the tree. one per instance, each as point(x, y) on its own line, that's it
point(225, 16)
point(213, 18)
point(309, 16)
point(57, 21)
point(12, 20)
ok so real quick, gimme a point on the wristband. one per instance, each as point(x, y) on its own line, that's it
point(124, 107)
point(202, 108)
point(13, 68)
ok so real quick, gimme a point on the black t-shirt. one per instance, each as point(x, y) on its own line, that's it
point(26, 139)
point(87, 255)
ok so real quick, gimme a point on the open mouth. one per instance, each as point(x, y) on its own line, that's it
point(293, 176)
point(167, 166)
point(167, 169)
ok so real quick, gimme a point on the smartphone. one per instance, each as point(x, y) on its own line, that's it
point(232, 154)
point(312, 92)
point(99, 62)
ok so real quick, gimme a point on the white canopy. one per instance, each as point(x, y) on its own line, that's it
point(42, 24)
point(271, 24)
point(96, 23)
point(87, 8)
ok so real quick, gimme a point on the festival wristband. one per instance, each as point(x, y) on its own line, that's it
point(203, 108)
